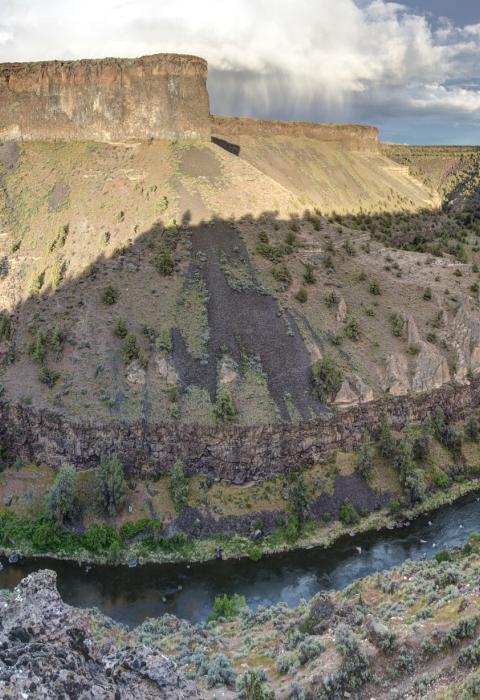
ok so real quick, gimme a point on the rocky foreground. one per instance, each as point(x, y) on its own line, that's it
point(409, 633)
point(51, 650)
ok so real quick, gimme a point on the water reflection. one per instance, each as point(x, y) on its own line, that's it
point(131, 595)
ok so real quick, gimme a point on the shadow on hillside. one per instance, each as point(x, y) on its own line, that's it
point(233, 148)
point(246, 322)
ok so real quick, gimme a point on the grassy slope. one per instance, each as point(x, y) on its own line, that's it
point(74, 206)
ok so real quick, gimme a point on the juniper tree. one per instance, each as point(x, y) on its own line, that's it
point(179, 486)
point(61, 496)
point(110, 485)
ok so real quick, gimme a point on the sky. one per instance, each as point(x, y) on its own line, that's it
point(411, 68)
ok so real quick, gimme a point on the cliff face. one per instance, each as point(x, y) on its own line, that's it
point(355, 137)
point(159, 96)
point(236, 454)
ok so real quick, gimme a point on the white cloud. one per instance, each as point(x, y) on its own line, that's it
point(269, 57)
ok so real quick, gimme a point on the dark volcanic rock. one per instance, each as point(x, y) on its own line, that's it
point(51, 650)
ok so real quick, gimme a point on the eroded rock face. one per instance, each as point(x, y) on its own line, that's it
point(431, 370)
point(396, 380)
point(465, 339)
point(51, 650)
point(346, 397)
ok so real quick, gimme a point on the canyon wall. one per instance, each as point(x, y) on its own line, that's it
point(355, 137)
point(161, 96)
point(236, 454)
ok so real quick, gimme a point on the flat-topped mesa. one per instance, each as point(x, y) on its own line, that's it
point(163, 96)
point(355, 137)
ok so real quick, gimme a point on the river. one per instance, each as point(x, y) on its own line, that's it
point(131, 595)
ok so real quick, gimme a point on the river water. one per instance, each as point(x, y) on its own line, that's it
point(131, 595)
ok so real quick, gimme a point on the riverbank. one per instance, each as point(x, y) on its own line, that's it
point(181, 550)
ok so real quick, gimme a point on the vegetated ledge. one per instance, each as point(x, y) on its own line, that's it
point(203, 550)
point(235, 454)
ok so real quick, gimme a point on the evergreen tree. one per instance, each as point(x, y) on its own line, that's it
point(364, 462)
point(179, 486)
point(298, 496)
point(61, 497)
point(110, 485)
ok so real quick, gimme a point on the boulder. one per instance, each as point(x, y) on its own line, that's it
point(166, 370)
point(51, 650)
point(136, 375)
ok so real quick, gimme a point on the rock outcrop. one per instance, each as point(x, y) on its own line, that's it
point(234, 453)
point(396, 381)
point(465, 339)
point(431, 370)
point(51, 650)
point(355, 137)
point(161, 96)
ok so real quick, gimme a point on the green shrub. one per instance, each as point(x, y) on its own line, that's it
point(61, 496)
point(111, 486)
point(385, 441)
point(331, 299)
point(59, 337)
point(290, 239)
point(38, 347)
point(224, 410)
point(164, 262)
point(352, 328)
point(131, 351)
point(443, 555)
point(250, 686)
point(5, 327)
point(37, 283)
point(364, 461)
point(298, 495)
point(100, 538)
point(347, 514)
point(48, 376)
point(308, 649)
point(421, 446)
point(281, 274)
point(228, 607)
point(302, 295)
point(326, 378)
point(220, 672)
point(394, 506)
point(132, 528)
point(309, 274)
point(442, 480)
point(178, 486)
point(164, 340)
point(472, 429)
point(109, 295)
point(397, 324)
point(120, 329)
point(374, 288)
point(427, 294)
